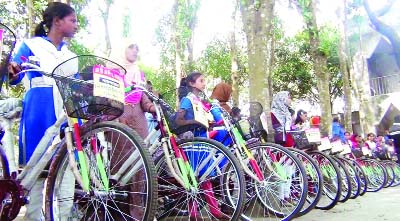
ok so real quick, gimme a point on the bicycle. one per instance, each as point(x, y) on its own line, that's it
point(270, 171)
point(90, 177)
point(198, 177)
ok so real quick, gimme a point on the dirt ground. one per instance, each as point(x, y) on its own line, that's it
point(381, 206)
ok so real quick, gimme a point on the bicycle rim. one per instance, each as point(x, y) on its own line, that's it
point(220, 191)
point(131, 194)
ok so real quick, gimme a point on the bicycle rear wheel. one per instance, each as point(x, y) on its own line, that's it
point(131, 194)
point(332, 180)
point(315, 181)
point(220, 191)
point(346, 182)
point(282, 193)
point(354, 178)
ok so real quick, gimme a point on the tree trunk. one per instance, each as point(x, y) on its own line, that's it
point(389, 32)
point(31, 18)
point(178, 48)
point(308, 11)
point(234, 62)
point(257, 21)
point(105, 14)
point(344, 69)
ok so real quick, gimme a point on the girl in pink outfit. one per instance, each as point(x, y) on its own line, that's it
point(136, 102)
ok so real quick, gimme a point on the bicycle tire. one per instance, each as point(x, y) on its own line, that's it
point(315, 181)
point(120, 143)
point(269, 197)
point(390, 174)
point(331, 176)
point(174, 200)
point(346, 183)
point(355, 179)
point(396, 169)
point(376, 175)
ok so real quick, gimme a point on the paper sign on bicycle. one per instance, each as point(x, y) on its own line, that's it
point(108, 83)
point(325, 144)
point(346, 149)
point(313, 135)
point(337, 146)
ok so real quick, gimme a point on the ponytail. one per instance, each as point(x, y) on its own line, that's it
point(39, 30)
point(183, 89)
point(54, 10)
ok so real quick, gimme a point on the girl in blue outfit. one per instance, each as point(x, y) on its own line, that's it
point(42, 103)
point(194, 109)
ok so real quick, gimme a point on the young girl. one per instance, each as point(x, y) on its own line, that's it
point(42, 103)
point(136, 102)
point(281, 118)
point(195, 113)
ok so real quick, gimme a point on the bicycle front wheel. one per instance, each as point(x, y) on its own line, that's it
point(219, 192)
point(122, 187)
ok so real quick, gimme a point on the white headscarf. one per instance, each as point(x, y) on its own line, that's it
point(280, 109)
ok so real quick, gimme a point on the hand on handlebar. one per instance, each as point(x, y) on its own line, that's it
point(13, 70)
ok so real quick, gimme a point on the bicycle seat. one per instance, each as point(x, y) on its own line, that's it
point(10, 108)
point(190, 127)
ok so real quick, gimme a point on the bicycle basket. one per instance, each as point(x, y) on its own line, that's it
point(91, 87)
point(304, 138)
point(7, 45)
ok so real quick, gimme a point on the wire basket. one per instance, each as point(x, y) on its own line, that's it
point(7, 45)
point(306, 138)
point(76, 79)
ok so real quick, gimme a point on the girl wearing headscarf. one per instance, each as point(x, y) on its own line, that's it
point(222, 92)
point(136, 102)
point(281, 118)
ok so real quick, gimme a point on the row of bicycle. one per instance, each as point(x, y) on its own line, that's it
point(102, 170)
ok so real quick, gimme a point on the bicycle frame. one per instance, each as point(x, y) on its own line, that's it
point(180, 169)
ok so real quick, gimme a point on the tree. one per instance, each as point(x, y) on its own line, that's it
point(307, 9)
point(216, 61)
point(344, 66)
point(257, 23)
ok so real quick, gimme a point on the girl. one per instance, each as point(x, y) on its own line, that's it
point(281, 118)
point(195, 114)
point(136, 102)
point(42, 103)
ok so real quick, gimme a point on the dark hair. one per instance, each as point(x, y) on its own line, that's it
point(184, 87)
point(298, 118)
point(53, 10)
point(235, 111)
point(347, 132)
point(336, 119)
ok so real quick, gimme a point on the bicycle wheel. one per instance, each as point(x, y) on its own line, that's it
point(315, 181)
point(282, 193)
point(332, 180)
point(220, 190)
point(361, 175)
point(396, 169)
point(346, 182)
point(390, 174)
point(376, 174)
point(354, 178)
point(131, 194)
